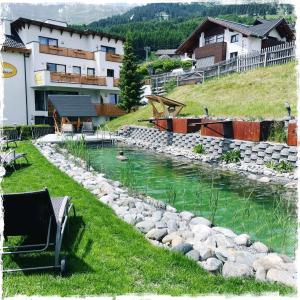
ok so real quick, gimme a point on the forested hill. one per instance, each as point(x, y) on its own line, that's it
point(167, 25)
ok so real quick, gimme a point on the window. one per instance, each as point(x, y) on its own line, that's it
point(234, 38)
point(40, 103)
point(76, 70)
point(233, 55)
point(110, 73)
point(220, 38)
point(113, 98)
point(210, 39)
point(90, 71)
point(56, 68)
point(108, 49)
point(48, 41)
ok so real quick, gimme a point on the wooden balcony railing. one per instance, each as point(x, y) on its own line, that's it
point(114, 57)
point(116, 82)
point(109, 110)
point(61, 51)
point(76, 78)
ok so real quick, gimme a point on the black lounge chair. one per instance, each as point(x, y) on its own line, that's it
point(10, 136)
point(9, 159)
point(87, 128)
point(40, 218)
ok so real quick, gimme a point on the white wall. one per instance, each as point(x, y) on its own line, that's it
point(14, 100)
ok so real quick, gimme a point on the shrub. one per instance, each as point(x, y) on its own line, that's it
point(231, 156)
point(170, 86)
point(278, 133)
point(186, 64)
point(282, 167)
point(199, 149)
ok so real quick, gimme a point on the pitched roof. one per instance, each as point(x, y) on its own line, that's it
point(12, 41)
point(20, 23)
point(73, 105)
point(259, 28)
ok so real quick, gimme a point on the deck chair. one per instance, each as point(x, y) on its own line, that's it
point(36, 215)
point(9, 159)
point(67, 129)
point(87, 128)
point(11, 136)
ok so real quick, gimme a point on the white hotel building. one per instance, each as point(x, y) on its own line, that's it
point(42, 58)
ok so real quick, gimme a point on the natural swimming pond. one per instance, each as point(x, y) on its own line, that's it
point(265, 211)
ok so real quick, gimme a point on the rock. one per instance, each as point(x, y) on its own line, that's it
point(233, 269)
point(200, 220)
point(171, 209)
point(193, 254)
point(177, 241)
point(211, 264)
point(186, 215)
point(225, 254)
point(156, 234)
point(183, 248)
point(160, 225)
point(130, 219)
point(168, 238)
point(260, 274)
point(157, 215)
point(205, 252)
point(260, 247)
point(145, 226)
point(264, 179)
point(244, 257)
point(242, 240)
point(271, 260)
point(227, 232)
point(281, 276)
point(252, 177)
point(219, 240)
point(172, 225)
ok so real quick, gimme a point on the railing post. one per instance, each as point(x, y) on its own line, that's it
point(265, 59)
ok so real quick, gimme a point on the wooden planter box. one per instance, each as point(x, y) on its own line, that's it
point(222, 129)
point(185, 125)
point(251, 131)
point(292, 134)
point(164, 125)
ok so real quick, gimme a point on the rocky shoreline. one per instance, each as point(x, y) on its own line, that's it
point(253, 171)
point(214, 248)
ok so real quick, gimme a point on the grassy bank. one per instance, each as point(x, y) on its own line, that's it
point(106, 255)
point(259, 93)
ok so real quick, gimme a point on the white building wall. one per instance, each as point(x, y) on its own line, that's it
point(14, 94)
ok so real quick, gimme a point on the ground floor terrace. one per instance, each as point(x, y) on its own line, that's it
point(105, 254)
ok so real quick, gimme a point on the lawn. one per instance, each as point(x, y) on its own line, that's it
point(106, 255)
point(259, 93)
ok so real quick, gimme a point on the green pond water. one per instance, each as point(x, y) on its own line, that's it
point(265, 211)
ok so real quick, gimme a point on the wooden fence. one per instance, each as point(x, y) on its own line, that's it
point(275, 55)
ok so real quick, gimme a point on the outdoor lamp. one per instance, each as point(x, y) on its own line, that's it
point(206, 111)
point(288, 108)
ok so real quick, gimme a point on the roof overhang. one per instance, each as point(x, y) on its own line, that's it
point(22, 22)
point(73, 105)
point(18, 50)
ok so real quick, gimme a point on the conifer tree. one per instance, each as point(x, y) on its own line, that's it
point(130, 79)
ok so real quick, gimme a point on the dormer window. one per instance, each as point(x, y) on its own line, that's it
point(48, 41)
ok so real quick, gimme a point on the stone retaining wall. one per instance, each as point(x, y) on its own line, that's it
point(251, 152)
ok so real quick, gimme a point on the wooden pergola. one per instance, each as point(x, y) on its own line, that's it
point(164, 107)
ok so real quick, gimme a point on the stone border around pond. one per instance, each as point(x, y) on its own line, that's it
point(253, 154)
point(216, 249)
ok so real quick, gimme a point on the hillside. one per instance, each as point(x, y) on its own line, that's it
point(259, 93)
point(167, 25)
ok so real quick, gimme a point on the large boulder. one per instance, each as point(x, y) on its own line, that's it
point(186, 215)
point(260, 247)
point(242, 240)
point(269, 261)
point(212, 264)
point(145, 226)
point(183, 248)
point(202, 232)
point(168, 238)
point(281, 276)
point(193, 255)
point(225, 254)
point(204, 251)
point(233, 269)
point(227, 232)
point(200, 220)
point(156, 234)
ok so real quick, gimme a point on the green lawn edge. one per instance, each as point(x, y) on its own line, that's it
point(108, 256)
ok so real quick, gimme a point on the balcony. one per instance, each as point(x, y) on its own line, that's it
point(61, 51)
point(113, 57)
point(116, 82)
point(109, 110)
point(216, 50)
point(76, 78)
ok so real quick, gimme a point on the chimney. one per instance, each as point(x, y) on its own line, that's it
point(5, 26)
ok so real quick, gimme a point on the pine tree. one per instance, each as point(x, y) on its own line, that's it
point(130, 80)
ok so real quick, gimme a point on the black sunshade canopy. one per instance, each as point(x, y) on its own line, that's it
point(73, 105)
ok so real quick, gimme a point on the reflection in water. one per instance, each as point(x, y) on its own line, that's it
point(265, 211)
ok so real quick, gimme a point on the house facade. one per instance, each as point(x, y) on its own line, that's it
point(43, 58)
point(216, 40)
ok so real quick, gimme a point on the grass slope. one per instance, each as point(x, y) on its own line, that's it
point(108, 256)
point(259, 93)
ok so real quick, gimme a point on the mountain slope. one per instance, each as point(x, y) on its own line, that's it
point(259, 93)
